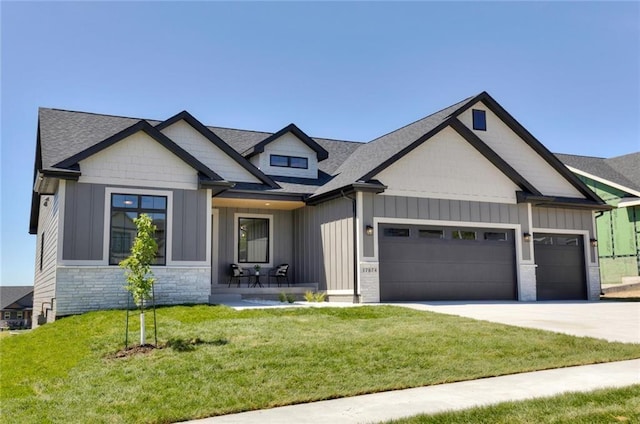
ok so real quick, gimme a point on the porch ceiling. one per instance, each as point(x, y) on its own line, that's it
point(256, 203)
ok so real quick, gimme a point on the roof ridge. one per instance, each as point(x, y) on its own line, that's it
point(581, 156)
point(108, 115)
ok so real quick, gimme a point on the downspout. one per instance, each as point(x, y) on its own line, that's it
point(356, 242)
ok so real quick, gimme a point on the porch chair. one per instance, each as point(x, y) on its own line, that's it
point(236, 272)
point(279, 273)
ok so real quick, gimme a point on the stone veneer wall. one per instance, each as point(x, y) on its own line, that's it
point(89, 288)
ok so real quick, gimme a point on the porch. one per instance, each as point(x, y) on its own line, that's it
point(221, 293)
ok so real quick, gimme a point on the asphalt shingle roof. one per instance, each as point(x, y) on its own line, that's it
point(622, 170)
point(11, 294)
point(371, 155)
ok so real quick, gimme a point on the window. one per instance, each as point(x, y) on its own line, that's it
point(289, 161)
point(463, 235)
point(253, 240)
point(396, 232)
point(496, 236)
point(124, 209)
point(434, 234)
point(479, 120)
point(19, 315)
point(7, 314)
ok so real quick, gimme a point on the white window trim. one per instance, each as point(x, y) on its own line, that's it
point(235, 239)
point(107, 220)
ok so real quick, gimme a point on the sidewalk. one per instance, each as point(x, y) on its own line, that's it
point(384, 406)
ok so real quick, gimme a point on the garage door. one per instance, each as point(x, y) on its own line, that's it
point(446, 263)
point(560, 274)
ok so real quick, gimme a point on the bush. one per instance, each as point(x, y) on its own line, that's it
point(309, 296)
point(290, 298)
point(282, 297)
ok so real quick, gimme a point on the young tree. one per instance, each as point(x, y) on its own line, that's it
point(138, 266)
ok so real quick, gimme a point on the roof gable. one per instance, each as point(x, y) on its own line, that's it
point(321, 153)
point(219, 143)
point(375, 156)
point(145, 127)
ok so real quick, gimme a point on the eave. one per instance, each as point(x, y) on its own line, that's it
point(561, 202)
point(368, 187)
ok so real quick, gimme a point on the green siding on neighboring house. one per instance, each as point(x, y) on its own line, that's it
point(618, 235)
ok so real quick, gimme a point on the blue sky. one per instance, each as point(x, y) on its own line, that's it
point(568, 71)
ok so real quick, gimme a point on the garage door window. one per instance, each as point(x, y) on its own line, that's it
point(433, 234)
point(396, 232)
point(495, 236)
point(463, 235)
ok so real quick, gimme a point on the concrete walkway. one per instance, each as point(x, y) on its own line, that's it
point(384, 406)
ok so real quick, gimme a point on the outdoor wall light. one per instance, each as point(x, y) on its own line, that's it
point(526, 237)
point(594, 242)
point(369, 230)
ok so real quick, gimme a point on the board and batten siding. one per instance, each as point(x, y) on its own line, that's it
point(44, 291)
point(563, 219)
point(190, 214)
point(282, 240)
point(324, 249)
point(84, 223)
point(445, 210)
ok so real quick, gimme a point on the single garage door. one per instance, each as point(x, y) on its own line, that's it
point(446, 263)
point(560, 274)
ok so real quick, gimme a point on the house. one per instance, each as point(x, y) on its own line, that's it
point(616, 180)
point(16, 305)
point(462, 204)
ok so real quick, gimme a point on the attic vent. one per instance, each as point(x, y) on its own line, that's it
point(479, 120)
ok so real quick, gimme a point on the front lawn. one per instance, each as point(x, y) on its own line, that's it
point(252, 359)
point(600, 406)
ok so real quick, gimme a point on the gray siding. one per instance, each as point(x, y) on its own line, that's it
point(83, 221)
point(436, 209)
point(324, 245)
point(282, 240)
point(190, 216)
point(44, 290)
point(564, 219)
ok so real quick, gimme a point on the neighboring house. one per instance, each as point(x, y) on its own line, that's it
point(617, 181)
point(463, 204)
point(16, 305)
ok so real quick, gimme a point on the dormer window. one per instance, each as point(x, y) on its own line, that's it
point(289, 161)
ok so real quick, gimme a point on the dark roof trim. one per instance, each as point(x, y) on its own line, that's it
point(522, 132)
point(404, 151)
point(321, 153)
point(65, 174)
point(492, 156)
point(212, 137)
point(370, 187)
point(151, 132)
point(561, 202)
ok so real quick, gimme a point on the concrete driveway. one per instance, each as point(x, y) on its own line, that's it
point(612, 321)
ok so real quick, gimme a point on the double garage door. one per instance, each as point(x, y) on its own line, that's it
point(446, 263)
point(457, 263)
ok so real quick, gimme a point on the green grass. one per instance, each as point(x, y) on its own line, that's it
point(601, 406)
point(252, 359)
